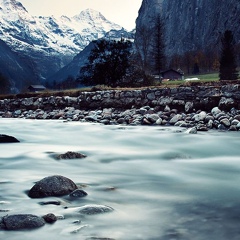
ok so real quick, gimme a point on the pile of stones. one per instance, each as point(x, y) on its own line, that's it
point(203, 107)
point(202, 120)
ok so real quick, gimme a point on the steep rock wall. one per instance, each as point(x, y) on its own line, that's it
point(192, 24)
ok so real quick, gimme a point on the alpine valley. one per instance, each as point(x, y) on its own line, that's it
point(41, 46)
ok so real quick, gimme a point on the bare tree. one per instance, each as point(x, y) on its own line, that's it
point(143, 46)
point(158, 45)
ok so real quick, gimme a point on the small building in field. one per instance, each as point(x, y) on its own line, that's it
point(172, 74)
point(36, 88)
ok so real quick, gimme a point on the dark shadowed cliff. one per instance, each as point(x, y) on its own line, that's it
point(191, 24)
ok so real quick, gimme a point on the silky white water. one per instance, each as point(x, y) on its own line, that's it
point(162, 183)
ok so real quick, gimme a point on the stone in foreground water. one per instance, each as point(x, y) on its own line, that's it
point(70, 155)
point(7, 139)
point(21, 221)
point(52, 186)
point(94, 209)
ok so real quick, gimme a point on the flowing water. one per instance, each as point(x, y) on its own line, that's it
point(162, 183)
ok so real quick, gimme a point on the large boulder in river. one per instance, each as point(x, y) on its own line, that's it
point(21, 221)
point(52, 186)
point(7, 139)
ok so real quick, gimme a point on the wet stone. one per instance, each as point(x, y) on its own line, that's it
point(105, 121)
point(142, 111)
point(50, 203)
point(7, 139)
point(52, 186)
point(50, 218)
point(159, 121)
point(70, 155)
point(175, 119)
point(181, 124)
point(94, 209)
point(78, 193)
point(222, 127)
point(152, 118)
point(192, 130)
point(210, 124)
point(188, 106)
point(215, 111)
point(225, 122)
point(121, 120)
point(21, 221)
point(234, 122)
point(237, 117)
point(145, 121)
point(233, 128)
point(167, 109)
point(202, 128)
point(99, 238)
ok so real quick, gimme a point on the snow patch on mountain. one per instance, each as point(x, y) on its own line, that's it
point(51, 37)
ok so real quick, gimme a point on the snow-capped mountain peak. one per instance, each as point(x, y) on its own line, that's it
point(89, 15)
point(12, 10)
point(64, 35)
point(50, 42)
point(12, 4)
point(95, 20)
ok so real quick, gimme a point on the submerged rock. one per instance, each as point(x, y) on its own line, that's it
point(78, 193)
point(70, 155)
point(52, 186)
point(192, 130)
point(50, 203)
point(94, 209)
point(7, 139)
point(21, 221)
point(99, 238)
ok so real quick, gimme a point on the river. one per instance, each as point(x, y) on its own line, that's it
point(162, 183)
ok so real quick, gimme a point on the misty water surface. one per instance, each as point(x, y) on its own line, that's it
point(162, 183)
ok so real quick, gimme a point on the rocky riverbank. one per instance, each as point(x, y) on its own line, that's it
point(205, 107)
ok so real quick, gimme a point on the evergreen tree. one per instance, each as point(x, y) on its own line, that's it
point(107, 63)
point(228, 66)
point(196, 68)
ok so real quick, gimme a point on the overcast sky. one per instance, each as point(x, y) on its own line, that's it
point(122, 12)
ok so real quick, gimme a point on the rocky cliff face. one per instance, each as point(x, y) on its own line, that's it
point(192, 24)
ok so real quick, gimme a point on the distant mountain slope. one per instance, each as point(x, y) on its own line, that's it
point(49, 41)
point(73, 68)
point(14, 66)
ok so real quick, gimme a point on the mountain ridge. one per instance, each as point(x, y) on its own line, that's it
point(50, 42)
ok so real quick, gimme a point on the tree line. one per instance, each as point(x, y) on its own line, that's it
point(137, 63)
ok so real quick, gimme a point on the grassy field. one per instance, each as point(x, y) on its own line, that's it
point(203, 79)
point(206, 77)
